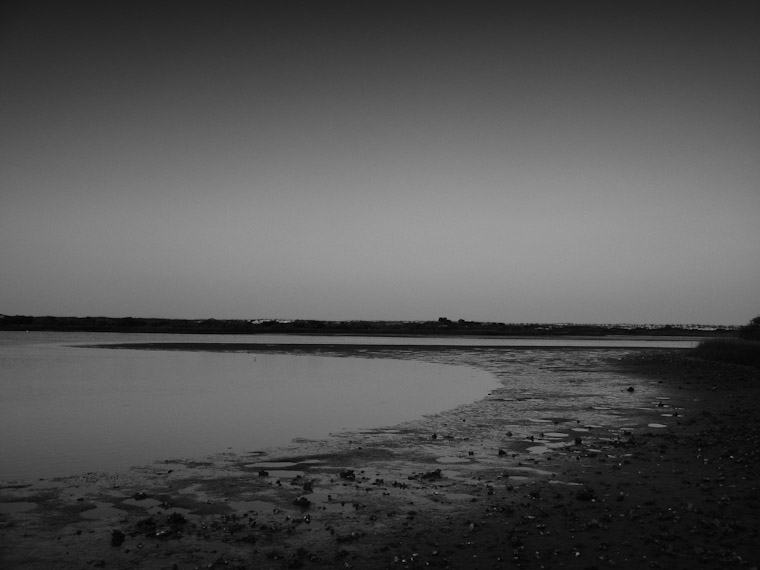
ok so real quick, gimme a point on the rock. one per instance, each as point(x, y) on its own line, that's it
point(176, 519)
point(428, 476)
point(302, 502)
point(117, 538)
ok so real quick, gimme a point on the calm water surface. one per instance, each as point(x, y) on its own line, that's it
point(67, 409)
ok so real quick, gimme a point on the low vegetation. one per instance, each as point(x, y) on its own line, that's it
point(751, 331)
point(735, 350)
point(745, 349)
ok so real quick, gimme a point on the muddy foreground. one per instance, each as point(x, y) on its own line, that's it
point(660, 474)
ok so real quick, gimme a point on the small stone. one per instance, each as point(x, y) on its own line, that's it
point(347, 474)
point(302, 502)
point(117, 538)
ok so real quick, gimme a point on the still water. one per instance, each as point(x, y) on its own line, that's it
point(66, 408)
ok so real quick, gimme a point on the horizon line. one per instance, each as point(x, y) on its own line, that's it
point(453, 321)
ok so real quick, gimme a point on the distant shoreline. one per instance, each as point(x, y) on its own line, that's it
point(442, 327)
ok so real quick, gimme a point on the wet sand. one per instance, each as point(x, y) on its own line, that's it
point(664, 475)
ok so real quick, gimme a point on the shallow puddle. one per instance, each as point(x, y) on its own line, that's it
point(144, 503)
point(103, 511)
point(519, 479)
point(452, 460)
point(548, 446)
point(529, 471)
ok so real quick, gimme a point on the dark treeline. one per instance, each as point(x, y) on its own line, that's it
point(442, 326)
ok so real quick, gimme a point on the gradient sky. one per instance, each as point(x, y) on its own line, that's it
point(535, 162)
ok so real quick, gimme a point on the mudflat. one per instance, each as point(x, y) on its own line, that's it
point(664, 474)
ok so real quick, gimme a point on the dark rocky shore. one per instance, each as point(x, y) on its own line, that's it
point(665, 479)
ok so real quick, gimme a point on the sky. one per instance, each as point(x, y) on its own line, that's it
point(521, 162)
